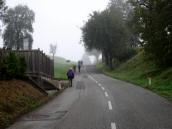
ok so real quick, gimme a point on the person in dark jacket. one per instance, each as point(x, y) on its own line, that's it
point(70, 75)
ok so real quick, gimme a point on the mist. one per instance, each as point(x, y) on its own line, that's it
point(59, 22)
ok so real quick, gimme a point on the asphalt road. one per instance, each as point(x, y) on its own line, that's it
point(100, 102)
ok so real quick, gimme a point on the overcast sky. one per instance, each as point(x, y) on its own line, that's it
point(58, 22)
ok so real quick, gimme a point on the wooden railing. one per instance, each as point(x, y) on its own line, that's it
point(38, 63)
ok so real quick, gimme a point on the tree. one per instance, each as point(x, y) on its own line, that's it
point(106, 32)
point(53, 49)
point(18, 26)
point(3, 8)
point(153, 22)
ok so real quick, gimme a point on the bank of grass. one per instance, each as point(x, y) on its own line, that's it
point(60, 67)
point(137, 71)
point(16, 98)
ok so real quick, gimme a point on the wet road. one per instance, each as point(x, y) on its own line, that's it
point(100, 102)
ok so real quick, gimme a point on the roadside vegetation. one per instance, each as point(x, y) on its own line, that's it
point(135, 38)
point(12, 66)
point(17, 97)
point(61, 66)
point(138, 70)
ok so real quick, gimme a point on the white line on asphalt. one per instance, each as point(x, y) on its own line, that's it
point(110, 105)
point(103, 88)
point(99, 84)
point(113, 125)
point(106, 94)
point(93, 79)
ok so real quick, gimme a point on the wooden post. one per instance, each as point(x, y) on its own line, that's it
point(149, 81)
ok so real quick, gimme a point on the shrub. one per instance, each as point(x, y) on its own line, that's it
point(129, 53)
point(12, 66)
point(3, 69)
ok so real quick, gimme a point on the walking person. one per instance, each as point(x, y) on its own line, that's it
point(79, 66)
point(70, 75)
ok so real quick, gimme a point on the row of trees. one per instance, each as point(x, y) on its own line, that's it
point(107, 32)
point(123, 26)
point(18, 28)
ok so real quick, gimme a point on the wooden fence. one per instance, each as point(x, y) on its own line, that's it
point(38, 64)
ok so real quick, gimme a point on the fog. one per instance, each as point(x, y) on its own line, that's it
point(59, 22)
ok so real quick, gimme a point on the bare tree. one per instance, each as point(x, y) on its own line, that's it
point(53, 49)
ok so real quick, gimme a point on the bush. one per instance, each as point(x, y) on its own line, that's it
point(12, 66)
point(129, 53)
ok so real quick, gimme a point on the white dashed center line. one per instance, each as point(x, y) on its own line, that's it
point(103, 88)
point(92, 78)
point(110, 105)
point(106, 94)
point(113, 125)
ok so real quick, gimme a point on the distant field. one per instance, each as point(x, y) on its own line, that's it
point(61, 67)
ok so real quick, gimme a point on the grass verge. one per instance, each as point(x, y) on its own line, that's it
point(17, 97)
point(137, 71)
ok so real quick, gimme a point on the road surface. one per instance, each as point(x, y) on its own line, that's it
point(100, 102)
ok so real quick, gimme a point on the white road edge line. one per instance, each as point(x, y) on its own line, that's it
point(113, 125)
point(106, 94)
point(110, 105)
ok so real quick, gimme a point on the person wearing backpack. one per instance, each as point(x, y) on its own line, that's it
point(70, 75)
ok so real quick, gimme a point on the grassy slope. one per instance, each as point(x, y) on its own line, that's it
point(137, 71)
point(61, 67)
point(17, 97)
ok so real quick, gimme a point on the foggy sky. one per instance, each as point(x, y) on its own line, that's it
point(58, 22)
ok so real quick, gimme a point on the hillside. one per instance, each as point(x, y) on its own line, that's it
point(137, 71)
point(61, 66)
point(17, 97)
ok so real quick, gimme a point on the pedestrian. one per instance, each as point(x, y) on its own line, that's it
point(70, 75)
point(79, 66)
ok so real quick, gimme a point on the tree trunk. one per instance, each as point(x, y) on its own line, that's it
point(103, 57)
point(110, 61)
point(106, 59)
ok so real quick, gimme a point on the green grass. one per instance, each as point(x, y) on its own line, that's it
point(61, 67)
point(137, 71)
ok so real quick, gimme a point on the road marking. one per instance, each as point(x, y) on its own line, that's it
point(113, 125)
point(93, 79)
point(99, 84)
point(106, 94)
point(110, 105)
point(103, 88)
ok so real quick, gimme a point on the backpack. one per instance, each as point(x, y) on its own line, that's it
point(70, 74)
